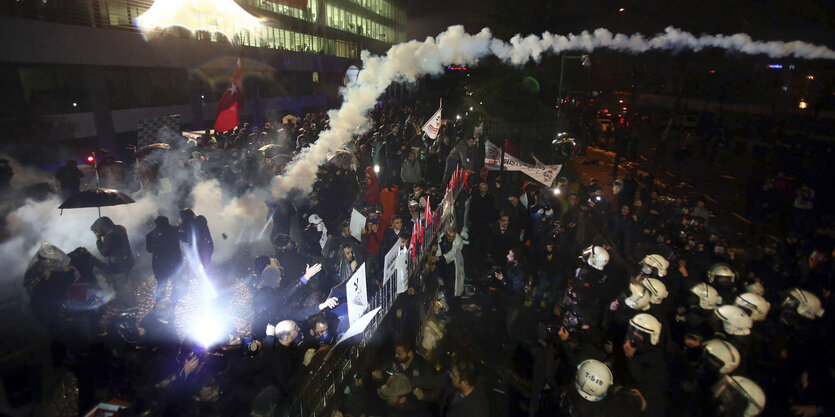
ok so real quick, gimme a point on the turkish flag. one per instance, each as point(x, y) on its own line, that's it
point(296, 4)
point(230, 104)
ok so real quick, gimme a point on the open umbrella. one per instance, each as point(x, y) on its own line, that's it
point(97, 197)
point(343, 160)
point(145, 150)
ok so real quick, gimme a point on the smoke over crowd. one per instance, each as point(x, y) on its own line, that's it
point(237, 220)
point(408, 61)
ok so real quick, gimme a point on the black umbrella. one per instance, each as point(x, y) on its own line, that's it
point(97, 197)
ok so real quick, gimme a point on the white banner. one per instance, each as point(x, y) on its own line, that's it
point(544, 174)
point(357, 295)
point(401, 265)
point(358, 326)
point(388, 262)
point(357, 224)
point(324, 238)
point(433, 125)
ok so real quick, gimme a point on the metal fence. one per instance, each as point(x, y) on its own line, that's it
point(317, 392)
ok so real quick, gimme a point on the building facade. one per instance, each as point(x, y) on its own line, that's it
point(80, 70)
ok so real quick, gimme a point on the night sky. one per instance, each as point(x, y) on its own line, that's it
point(807, 20)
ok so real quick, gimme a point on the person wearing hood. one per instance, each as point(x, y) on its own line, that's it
point(194, 230)
point(163, 242)
point(371, 192)
point(112, 242)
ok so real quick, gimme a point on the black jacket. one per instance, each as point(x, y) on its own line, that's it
point(473, 405)
point(163, 243)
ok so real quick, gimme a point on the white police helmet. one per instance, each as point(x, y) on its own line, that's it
point(721, 272)
point(755, 288)
point(734, 320)
point(723, 355)
point(654, 265)
point(596, 257)
point(639, 297)
point(738, 395)
point(708, 296)
point(756, 306)
point(657, 290)
point(593, 380)
point(804, 303)
point(644, 327)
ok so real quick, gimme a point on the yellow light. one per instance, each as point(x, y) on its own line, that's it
point(810, 77)
point(222, 16)
point(802, 104)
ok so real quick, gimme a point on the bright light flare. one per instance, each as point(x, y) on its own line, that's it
point(802, 104)
point(221, 16)
point(376, 169)
point(557, 191)
point(207, 330)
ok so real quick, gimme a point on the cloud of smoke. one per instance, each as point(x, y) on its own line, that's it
point(410, 60)
point(35, 222)
point(240, 219)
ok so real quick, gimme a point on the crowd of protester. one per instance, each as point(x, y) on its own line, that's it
point(632, 305)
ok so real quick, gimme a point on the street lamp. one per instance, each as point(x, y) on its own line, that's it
point(802, 104)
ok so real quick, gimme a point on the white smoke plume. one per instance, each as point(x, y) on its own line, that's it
point(239, 218)
point(410, 60)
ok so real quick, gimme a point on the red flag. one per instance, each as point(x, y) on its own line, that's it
point(230, 104)
point(419, 226)
point(466, 178)
point(427, 215)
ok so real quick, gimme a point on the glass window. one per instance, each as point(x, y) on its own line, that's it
point(54, 89)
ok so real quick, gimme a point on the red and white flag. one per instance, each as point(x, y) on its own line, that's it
point(413, 241)
point(231, 103)
point(427, 214)
point(433, 125)
point(419, 227)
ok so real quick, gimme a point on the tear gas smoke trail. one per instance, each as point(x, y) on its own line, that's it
point(407, 61)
